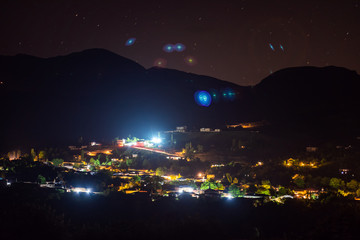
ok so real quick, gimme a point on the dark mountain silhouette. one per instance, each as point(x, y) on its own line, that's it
point(99, 95)
point(323, 102)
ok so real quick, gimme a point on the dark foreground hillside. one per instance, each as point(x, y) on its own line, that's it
point(34, 213)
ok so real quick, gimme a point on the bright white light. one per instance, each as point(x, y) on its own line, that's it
point(77, 191)
point(130, 144)
point(88, 191)
point(156, 140)
point(186, 189)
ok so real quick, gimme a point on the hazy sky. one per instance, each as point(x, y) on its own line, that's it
point(238, 41)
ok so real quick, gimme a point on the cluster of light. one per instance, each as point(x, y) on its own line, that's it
point(178, 47)
point(156, 140)
point(202, 98)
point(229, 94)
point(130, 42)
point(273, 48)
point(191, 61)
point(185, 189)
point(217, 165)
point(160, 62)
point(84, 190)
point(130, 144)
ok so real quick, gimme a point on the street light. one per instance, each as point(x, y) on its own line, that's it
point(156, 140)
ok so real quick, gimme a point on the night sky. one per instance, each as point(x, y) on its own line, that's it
point(238, 41)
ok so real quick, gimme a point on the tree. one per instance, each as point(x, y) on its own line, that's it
point(57, 162)
point(189, 151)
point(209, 184)
point(41, 179)
point(266, 184)
point(229, 178)
point(234, 190)
point(352, 185)
point(153, 183)
point(358, 193)
point(299, 182)
point(129, 162)
point(324, 182)
point(135, 181)
point(160, 171)
point(283, 191)
point(33, 154)
point(336, 183)
point(97, 163)
point(42, 155)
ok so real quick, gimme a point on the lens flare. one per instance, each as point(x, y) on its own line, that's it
point(168, 48)
point(191, 61)
point(160, 62)
point(130, 42)
point(179, 47)
point(215, 95)
point(271, 46)
point(202, 98)
point(228, 94)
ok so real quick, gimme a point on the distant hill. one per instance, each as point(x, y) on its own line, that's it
point(99, 95)
point(323, 101)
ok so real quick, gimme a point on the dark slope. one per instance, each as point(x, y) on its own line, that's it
point(321, 101)
point(99, 95)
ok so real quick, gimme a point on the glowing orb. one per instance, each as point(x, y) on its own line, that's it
point(168, 48)
point(271, 46)
point(229, 94)
point(202, 98)
point(214, 95)
point(191, 61)
point(179, 47)
point(281, 47)
point(160, 62)
point(130, 41)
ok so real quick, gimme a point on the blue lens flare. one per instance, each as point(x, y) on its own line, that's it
point(202, 98)
point(179, 47)
point(168, 48)
point(228, 94)
point(130, 41)
point(271, 46)
point(215, 95)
